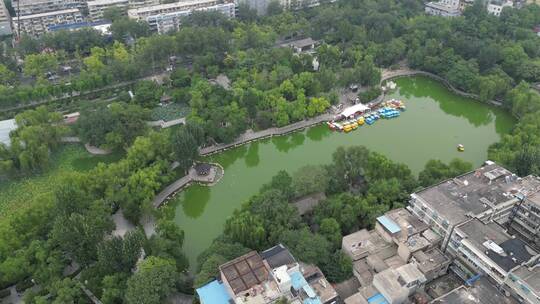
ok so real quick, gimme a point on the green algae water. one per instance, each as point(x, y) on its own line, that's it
point(435, 122)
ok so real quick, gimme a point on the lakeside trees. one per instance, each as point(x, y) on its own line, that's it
point(39, 132)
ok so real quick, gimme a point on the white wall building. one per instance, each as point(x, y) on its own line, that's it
point(166, 17)
point(97, 7)
point(445, 8)
point(38, 24)
point(5, 20)
point(495, 7)
point(30, 7)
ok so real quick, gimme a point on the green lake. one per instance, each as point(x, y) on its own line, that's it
point(435, 122)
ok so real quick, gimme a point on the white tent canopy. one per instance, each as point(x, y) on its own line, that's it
point(354, 109)
point(6, 126)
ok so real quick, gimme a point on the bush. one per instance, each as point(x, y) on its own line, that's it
point(4, 293)
point(24, 285)
point(370, 94)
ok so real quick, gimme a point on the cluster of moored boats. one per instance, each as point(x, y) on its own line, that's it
point(387, 109)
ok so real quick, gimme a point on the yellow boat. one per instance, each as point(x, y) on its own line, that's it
point(347, 128)
point(360, 121)
point(354, 125)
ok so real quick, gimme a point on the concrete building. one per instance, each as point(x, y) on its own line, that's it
point(163, 23)
point(5, 20)
point(38, 24)
point(266, 277)
point(165, 17)
point(432, 263)
point(97, 7)
point(479, 292)
point(32, 7)
point(445, 8)
point(495, 7)
point(396, 285)
point(488, 250)
point(487, 193)
point(525, 217)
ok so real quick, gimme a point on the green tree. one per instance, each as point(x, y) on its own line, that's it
point(37, 65)
point(331, 231)
point(153, 281)
point(309, 179)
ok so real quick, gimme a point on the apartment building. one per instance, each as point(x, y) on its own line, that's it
point(487, 193)
point(5, 20)
point(525, 218)
point(166, 17)
point(479, 292)
point(495, 7)
point(32, 7)
point(488, 250)
point(445, 8)
point(38, 24)
point(267, 277)
point(97, 7)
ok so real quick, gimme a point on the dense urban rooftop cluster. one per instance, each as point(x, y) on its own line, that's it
point(482, 227)
point(35, 17)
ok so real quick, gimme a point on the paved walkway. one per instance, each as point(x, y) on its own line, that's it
point(250, 136)
point(165, 124)
point(404, 72)
point(192, 176)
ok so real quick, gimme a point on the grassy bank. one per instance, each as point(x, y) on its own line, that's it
point(18, 193)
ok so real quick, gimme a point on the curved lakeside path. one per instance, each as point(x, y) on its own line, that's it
point(250, 136)
point(216, 173)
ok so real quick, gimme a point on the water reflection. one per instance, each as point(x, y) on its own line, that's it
point(317, 134)
point(227, 159)
point(194, 200)
point(252, 158)
point(286, 143)
point(423, 87)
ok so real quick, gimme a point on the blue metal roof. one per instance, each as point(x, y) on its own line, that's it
point(316, 300)
point(297, 280)
point(389, 224)
point(377, 299)
point(213, 293)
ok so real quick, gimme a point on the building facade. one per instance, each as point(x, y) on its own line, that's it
point(38, 24)
point(32, 7)
point(445, 8)
point(167, 17)
point(5, 20)
point(97, 7)
point(495, 7)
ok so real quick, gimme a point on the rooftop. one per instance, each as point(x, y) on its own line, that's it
point(531, 276)
point(393, 282)
point(504, 250)
point(408, 223)
point(364, 241)
point(106, 2)
point(481, 292)
point(244, 272)
point(302, 43)
point(174, 5)
point(53, 13)
point(442, 7)
point(471, 194)
point(213, 293)
point(429, 260)
point(278, 256)
point(356, 298)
